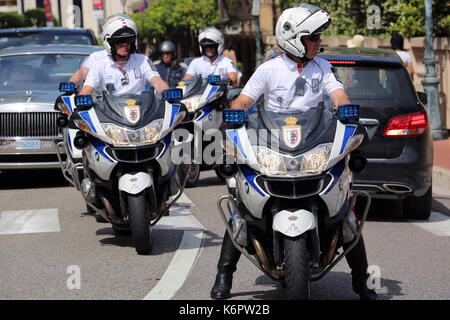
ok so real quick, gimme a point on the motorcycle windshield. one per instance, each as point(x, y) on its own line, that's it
point(193, 87)
point(293, 132)
point(129, 110)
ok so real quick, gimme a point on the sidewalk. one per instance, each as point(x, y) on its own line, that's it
point(441, 176)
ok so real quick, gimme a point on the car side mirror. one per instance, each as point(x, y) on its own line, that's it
point(422, 97)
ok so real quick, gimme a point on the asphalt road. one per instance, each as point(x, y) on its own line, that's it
point(51, 249)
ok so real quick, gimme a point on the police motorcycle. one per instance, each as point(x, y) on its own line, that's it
point(205, 101)
point(125, 142)
point(293, 206)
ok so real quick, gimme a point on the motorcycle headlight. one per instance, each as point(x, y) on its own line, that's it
point(311, 162)
point(315, 160)
point(119, 136)
point(271, 162)
point(192, 103)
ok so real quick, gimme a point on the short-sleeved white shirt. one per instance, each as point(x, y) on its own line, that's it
point(406, 57)
point(276, 79)
point(138, 69)
point(202, 66)
point(90, 61)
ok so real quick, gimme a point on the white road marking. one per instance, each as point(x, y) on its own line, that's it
point(438, 224)
point(180, 218)
point(29, 221)
point(179, 268)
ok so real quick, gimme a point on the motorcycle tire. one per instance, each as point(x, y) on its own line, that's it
point(220, 174)
point(140, 223)
point(193, 175)
point(296, 259)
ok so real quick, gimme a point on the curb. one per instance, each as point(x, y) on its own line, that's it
point(441, 177)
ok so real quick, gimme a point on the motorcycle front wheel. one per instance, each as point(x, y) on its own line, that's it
point(296, 259)
point(140, 223)
point(193, 175)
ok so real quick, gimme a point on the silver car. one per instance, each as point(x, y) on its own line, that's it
point(29, 83)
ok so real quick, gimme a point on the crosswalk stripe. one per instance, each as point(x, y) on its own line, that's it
point(438, 224)
point(29, 221)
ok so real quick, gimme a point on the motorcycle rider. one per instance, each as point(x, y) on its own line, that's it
point(80, 75)
point(212, 62)
point(301, 79)
point(169, 69)
point(122, 71)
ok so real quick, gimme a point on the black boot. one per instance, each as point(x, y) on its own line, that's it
point(357, 261)
point(229, 257)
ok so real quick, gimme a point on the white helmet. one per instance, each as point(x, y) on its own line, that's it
point(119, 26)
point(211, 36)
point(295, 23)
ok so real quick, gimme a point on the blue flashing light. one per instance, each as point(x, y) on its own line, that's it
point(234, 116)
point(348, 111)
point(213, 79)
point(67, 87)
point(84, 101)
point(173, 94)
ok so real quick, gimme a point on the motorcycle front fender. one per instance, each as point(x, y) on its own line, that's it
point(293, 224)
point(135, 183)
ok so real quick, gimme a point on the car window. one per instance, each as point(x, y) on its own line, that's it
point(25, 39)
point(37, 71)
point(374, 82)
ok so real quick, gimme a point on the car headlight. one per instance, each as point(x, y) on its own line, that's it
point(119, 136)
point(311, 162)
point(192, 103)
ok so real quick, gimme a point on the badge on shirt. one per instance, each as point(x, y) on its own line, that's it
point(137, 74)
point(292, 133)
point(132, 111)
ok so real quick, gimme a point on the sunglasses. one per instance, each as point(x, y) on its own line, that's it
point(121, 40)
point(313, 38)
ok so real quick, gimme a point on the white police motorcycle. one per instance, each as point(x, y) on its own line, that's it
point(293, 206)
point(205, 101)
point(125, 143)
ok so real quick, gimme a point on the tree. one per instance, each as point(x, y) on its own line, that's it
point(177, 20)
point(407, 17)
point(11, 20)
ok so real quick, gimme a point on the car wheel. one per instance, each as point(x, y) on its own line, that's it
point(418, 208)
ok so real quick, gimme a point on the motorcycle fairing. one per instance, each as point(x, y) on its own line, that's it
point(69, 101)
point(337, 191)
point(252, 196)
point(98, 160)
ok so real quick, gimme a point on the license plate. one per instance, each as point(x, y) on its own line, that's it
point(28, 145)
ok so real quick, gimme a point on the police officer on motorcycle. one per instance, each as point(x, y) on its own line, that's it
point(122, 71)
point(212, 62)
point(300, 78)
point(169, 69)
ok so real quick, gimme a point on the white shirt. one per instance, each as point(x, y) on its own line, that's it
point(202, 66)
point(137, 70)
point(90, 61)
point(276, 79)
point(405, 56)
